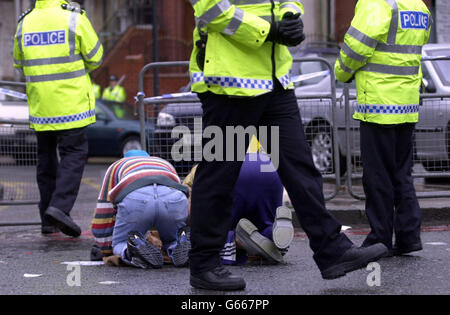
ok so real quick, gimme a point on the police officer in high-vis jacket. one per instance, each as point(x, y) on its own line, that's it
point(382, 52)
point(56, 47)
point(240, 70)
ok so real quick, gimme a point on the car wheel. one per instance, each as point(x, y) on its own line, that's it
point(320, 139)
point(131, 143)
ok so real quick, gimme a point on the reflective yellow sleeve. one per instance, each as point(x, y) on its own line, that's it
point(17, 53)
point(291, 6)
point(223, 17)
point(369, 26)
point(90, 46)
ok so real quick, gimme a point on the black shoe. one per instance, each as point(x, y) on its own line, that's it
point(48, 229)
point(257, 244)
point(139, 248)
point(354, 258)
point(96, 253)
point(62, 221)
point(217, 279)
point(405, 249)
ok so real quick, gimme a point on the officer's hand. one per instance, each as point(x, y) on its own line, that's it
point(291, 29)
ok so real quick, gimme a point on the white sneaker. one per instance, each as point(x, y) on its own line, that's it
point(257, 244)
point(283, 230)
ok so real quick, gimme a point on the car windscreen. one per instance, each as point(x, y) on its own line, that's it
point(121, 111)
point(442, 67)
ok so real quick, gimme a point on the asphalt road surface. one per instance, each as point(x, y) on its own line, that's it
point(34, 264)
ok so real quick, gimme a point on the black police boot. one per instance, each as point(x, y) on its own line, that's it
point(62, 221)
point(354, 258)
point(402, 249)
point(217, 279)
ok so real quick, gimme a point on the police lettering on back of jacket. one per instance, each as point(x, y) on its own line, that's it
point(382, 51)
point(56, 47)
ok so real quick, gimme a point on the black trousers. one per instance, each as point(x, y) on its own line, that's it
point(214, 181)
point(59, 181)
point(391, 202)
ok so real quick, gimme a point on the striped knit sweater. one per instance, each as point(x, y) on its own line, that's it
point(121, 178)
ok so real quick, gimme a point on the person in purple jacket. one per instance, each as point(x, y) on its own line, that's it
point(260, 226)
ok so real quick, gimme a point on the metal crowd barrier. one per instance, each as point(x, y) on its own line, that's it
point(431, 145)
point(185, 111)
point(18, 157)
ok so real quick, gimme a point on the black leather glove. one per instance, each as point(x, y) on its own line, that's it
point(288, 31)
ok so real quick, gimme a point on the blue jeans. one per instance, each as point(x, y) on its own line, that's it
point(156, 206)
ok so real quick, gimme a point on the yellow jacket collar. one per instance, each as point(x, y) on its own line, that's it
point(42, 4)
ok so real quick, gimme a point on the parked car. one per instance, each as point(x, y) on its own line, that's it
point(116, 131)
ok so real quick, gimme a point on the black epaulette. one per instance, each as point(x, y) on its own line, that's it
point(24, 14)
point(72, 6)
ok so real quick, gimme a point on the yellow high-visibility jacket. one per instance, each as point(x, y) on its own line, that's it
point(116, 94)
point(382, 50)
point(56, 49)
point(238, 59)
point(97, 90)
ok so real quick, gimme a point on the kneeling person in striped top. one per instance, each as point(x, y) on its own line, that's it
point(138, 193)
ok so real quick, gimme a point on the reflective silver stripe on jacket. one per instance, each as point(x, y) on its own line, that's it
point(72, 32)
point(387, 109)
point(392, 35)
point(344, 67)
point(353, 54)
point(94, 51)
point(61, 119)
point(245, 2)
point(51, 61)
point(400, 49)
point(215, 11)
point(291, 6)
point(19, 36)
point(56, 76)
point(235, 22)
point(389, 69)
point(361, 37)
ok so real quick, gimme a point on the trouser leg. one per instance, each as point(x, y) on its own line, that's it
point(136, 212)
point(302, 180)
point(378, 158)
point(408, 214)
point(172, 215)
point(73, 151)
point(212, 191)
point(46, 170)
